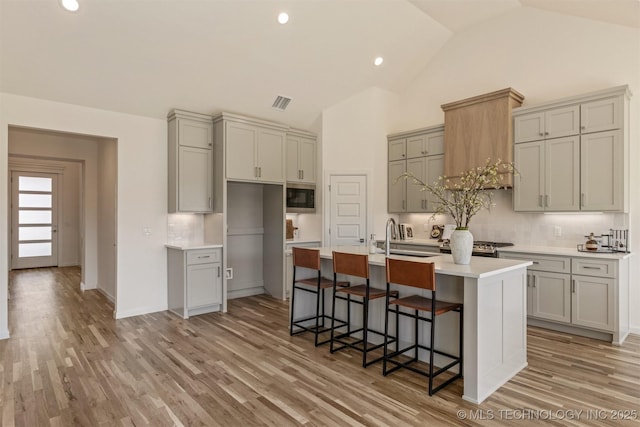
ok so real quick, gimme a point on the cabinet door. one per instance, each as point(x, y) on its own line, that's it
point(203, 285)
point(307, 160)
point(528, 188)
point(598, 116)
point(195, 133)
point(528, 127)
point(416, 146)
point(562, 174)
point(240, 146)
point(435, 169)
point(434, 143)
point(415, 198)
point(593, 302)
point(561, 122)
point(602, 171)
point(293, 155)
point(195, 179)
point(397, 150)
point(396, 188)
point(271, 155)
point(551, 296)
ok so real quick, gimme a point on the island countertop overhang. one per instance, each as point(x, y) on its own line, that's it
point(478, 268)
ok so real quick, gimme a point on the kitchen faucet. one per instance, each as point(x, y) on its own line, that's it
point(390, 221)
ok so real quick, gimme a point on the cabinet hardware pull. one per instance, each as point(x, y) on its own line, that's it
point(546, 133)
point(591, 268)
point(541, 134)
point(583, 127)
point(573, 286)
point(535, 263)
point(255, 171)
point(259, 172)
point(533, 276)
point(403, 155)
point(204, 256)
point(218, 271)
point(582, 199)
point(302, 173)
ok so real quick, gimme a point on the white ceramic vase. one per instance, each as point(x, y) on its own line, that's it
point(461, 244)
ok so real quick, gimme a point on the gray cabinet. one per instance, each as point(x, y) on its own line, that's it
point(301, 157)
point(254, 150)
point(194, 280)
point(581, 292)
point(421, 154)
point(573, 154)
point(190, 156)
point(397, 188)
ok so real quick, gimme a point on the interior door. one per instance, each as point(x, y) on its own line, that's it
point(34, 220)
point(348, 205)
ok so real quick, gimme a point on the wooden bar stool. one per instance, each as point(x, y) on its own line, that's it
point(356, 265)
point(419, 275)
point(310, 258)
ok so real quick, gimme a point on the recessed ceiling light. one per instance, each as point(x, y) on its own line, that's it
point(70, 5)
point(378, 61)
point(283, 18)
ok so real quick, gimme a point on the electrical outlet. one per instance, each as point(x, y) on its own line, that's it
point(557, 231)
point(229, 273)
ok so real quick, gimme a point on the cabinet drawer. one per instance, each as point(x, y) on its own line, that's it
point(555, 264)
point(594, 267)
point(203, 256)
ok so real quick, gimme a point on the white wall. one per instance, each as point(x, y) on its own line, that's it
point(142, 193)
point(107, 208)
point(354, 139)
point(544, 56)
point(41, 144)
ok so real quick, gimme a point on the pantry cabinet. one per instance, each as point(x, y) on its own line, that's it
point(572, 154)
point(190, 162)
point(301, 157)
point(254, 150)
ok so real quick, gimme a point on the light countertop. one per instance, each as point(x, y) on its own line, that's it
point(479, 267)
point(572, 252)
point(183, 246)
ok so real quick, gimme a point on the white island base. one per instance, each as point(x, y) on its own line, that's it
point(493, 292)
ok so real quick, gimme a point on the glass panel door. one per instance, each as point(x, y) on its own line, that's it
point(33, 220)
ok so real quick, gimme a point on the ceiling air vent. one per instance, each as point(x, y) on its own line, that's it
point(281, 103)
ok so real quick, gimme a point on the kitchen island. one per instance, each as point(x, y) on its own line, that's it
point(493, 292)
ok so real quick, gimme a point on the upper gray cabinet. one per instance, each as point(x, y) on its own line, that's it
point(421, 154)
point(301, 156)
point(190, 155)
point(573, 154)
point(254, 149)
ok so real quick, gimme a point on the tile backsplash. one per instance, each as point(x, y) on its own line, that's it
point(185, 228)
point(502, 224)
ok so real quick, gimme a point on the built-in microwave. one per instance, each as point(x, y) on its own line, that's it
point(301, 198)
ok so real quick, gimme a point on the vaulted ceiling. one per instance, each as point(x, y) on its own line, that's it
point(145, 57)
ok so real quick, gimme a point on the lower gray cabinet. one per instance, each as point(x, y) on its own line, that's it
point(194, 280)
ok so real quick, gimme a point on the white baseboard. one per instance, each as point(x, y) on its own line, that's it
point(241, 293)
point(84, 287)
point(635, 330)
point(106, 294)
point(4, 335)
point(121, 314)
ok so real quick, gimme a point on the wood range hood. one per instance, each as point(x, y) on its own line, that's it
point(477, 129)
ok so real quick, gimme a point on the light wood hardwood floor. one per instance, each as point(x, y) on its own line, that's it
point(69, 363)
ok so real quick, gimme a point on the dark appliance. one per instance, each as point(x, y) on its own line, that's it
point(301, 198)
point(480, 248)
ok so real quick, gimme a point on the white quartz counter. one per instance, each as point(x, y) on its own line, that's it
point(479, 267)
point(572, 252)
point(183, 246)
